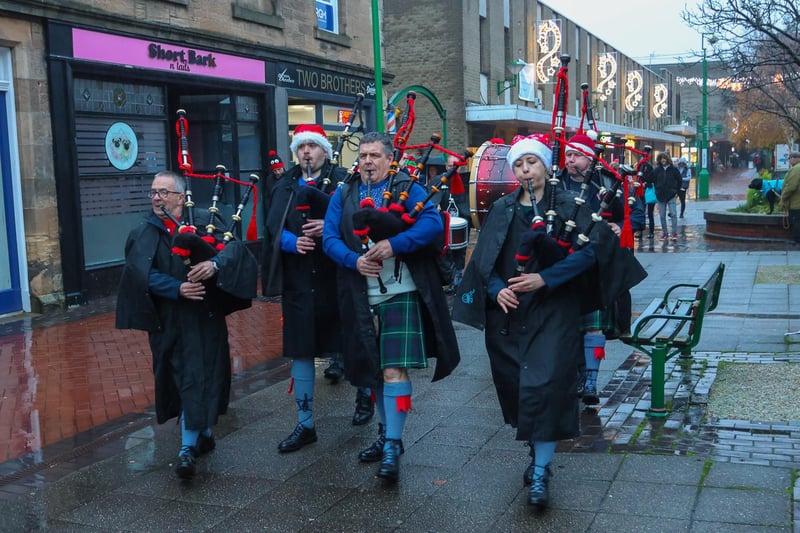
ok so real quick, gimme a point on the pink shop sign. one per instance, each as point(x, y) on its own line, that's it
point(126, 51)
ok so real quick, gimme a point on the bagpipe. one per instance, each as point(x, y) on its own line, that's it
point(543, 245)
point(373, 223)
point(313, 198)
point(238, 287)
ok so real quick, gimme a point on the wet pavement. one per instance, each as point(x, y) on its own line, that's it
point(79, 449)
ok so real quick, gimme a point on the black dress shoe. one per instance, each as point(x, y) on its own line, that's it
point(375, 452)
point(205, 444)
point(185, 469)
point(365, 409)
point(299, 438)
point(590, 396)
point(334, 372)
point(527, 476)
point(390, 464)
point(537, 495)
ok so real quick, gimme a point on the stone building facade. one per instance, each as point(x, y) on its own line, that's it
point(76, 74)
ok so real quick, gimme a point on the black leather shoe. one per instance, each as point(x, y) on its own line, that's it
point(581, 388)
point(205, 444)
point(527, 476)
point(185, 469)
point(299, 438)
point(537, 495)
point(390, 463)
point(334, 372)
point(590, 396)
point(365, 409)
point(375, 452)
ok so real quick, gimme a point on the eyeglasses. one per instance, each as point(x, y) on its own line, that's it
point(161, 193)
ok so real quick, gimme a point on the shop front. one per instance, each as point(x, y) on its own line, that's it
point(114, 100)
point(319, 96)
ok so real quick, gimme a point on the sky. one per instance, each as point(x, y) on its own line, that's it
point(648, 32)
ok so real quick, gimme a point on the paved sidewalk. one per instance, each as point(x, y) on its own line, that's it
point(462, 470)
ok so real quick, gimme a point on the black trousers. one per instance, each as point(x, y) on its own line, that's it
point(682, 199)
point(794, 223)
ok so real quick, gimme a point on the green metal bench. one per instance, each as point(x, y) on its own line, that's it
point(671, 325)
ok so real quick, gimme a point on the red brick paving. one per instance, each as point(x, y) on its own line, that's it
point(58, 381)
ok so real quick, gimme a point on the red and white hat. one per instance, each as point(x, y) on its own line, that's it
point(313, 133)
point(274, 161)
point(532, 144)
point(582, 143)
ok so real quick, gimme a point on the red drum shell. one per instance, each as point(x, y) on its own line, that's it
point(489, 180)
point(458, 233)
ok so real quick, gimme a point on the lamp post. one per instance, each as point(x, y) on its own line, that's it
point(703, 177)
point(376, 51)
point(515, 67)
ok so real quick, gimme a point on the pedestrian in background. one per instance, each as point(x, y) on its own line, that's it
point(790, 195)
point(686, 178)
point(667, 181)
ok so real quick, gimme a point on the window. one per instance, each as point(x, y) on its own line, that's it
point(328, 15)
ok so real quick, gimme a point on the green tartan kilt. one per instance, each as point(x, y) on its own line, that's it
point(400, 337)
point(602, 319)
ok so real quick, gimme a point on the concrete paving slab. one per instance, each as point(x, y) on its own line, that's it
point(738, 506)
point(650, 499)
point(605, 522)
point(728, 475)
point(662, 469)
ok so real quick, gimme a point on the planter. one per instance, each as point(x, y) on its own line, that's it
point(746, 226)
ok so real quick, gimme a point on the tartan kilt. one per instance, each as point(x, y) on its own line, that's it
point(602, 319)
point(400, 338)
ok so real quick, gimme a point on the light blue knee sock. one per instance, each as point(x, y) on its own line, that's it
point(303, 376)
point(594, 350)
point(397, 401)
point(544, 455)
point(188, 436)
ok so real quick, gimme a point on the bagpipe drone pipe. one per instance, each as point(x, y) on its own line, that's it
point(234, 285)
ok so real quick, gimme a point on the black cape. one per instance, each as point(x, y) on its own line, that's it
point(535, 366)
point(306, 283)
point(188, 339)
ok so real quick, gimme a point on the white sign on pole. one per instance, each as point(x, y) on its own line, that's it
point(781, 157)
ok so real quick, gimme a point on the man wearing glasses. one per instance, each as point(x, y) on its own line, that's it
point(188, 337)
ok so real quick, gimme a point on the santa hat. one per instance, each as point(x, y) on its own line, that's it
point(582, 143)
point(305, 133)
point(536, 144)
point(274, 161)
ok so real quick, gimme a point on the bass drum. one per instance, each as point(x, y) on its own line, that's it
point(489, 179)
